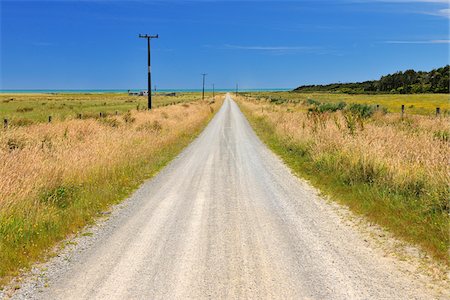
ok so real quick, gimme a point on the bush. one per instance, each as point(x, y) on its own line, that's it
point(331, 107)
point(277, 100)
point(325, 107)
point(312, 102)
point(361, 110)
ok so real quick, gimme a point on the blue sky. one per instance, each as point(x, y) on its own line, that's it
point(259, 44)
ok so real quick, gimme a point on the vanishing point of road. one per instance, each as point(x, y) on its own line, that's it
point(227, 219)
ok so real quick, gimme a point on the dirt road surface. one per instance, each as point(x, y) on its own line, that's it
point(227, 219)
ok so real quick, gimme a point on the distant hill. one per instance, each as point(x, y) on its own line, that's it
point(408, 82)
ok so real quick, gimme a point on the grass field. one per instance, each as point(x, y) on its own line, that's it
point(424, 104)
point(394, 171)
point(24, 109)
point(55, 178)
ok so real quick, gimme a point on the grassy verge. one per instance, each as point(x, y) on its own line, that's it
point(56, 178)
point(414, 208)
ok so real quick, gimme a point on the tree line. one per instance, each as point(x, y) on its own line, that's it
point(407, 82)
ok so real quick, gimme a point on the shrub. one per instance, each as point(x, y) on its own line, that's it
point(325, 107)
point(312, 102)
point(331, 107)
point(277, 100)
point(362, 110)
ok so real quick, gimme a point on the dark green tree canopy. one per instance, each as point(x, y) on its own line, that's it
point(407, 82)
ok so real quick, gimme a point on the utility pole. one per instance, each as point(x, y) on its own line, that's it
point(149, 83)
point(203, 90)
point(213, 91)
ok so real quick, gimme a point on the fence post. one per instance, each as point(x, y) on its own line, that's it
point(403, 110)
point(438, 111)
point(5, 123)
point(49, 119)
point(101, 115)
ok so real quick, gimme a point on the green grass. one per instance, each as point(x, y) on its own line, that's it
point(24, 109)
point(423, 104)
point(400, 213)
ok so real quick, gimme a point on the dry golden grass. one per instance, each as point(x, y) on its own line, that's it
point(48, 155)
point(394, 170)
point(55, 177)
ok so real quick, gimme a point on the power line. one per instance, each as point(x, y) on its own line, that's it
point(203, 91)
point(149, 79)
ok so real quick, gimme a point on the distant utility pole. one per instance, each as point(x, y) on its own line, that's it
point(203, 91)
point(213, 91)
point(149, 83)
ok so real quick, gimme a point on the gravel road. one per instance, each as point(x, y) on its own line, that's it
point(226, 219)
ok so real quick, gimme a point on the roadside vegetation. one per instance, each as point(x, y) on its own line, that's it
point(56, 178)
point(390, 169)
point(423, 104)
point(27, 109)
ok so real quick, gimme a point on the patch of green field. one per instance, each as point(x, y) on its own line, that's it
point(423, 104)
point(22, 109)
